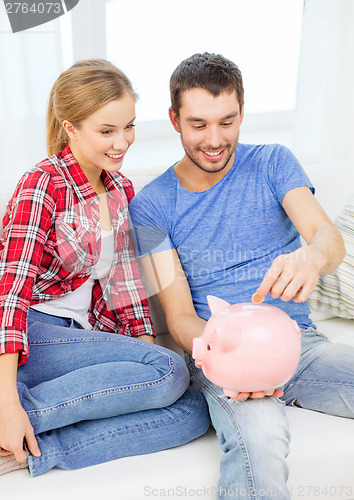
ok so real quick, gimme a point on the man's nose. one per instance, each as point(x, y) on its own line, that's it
point(213, 137)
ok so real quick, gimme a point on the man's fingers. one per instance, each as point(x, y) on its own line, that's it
point(269, 279)
point(291, 289)
point(280, 287)
point(277, 394)
point(304, 292)
point(242, 396)
point(257, 395)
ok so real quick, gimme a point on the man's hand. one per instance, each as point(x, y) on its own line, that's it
point(15, 427)
point(243, 396)
point(292, 276)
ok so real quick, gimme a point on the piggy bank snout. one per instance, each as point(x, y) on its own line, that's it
point(198, 348)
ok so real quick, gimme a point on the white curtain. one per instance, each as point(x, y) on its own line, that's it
point(30, 61)
point(324, 125)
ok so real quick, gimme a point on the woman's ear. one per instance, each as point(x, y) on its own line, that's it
point(70, 129)
point(174, 120)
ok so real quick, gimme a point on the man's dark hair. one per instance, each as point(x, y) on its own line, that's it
point(211, 72)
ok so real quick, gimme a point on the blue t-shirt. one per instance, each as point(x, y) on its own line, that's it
point(228, 236)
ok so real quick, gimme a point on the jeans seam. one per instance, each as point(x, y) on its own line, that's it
point(321, 382)
point(107, 392)
point(87, 339)
point(154, 424)
point(98, 394)
point(231, 416)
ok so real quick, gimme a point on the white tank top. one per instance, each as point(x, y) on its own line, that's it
point(76, 304)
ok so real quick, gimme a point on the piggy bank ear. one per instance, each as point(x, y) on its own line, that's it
point(216, 305)
point(229, 337)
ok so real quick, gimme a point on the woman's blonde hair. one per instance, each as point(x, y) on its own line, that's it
point(80, 91)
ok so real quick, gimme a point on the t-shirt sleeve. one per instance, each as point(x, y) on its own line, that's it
point(284, 172)
point(150, 225)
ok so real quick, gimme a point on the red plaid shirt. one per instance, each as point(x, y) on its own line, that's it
point(52, 240)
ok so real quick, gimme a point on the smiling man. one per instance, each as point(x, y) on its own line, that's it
point(208, 121)
point(226, 220)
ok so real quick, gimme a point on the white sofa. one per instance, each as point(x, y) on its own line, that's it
point(321, 456)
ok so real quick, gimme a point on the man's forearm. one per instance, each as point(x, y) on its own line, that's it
point(183, 328)
point(329, 247)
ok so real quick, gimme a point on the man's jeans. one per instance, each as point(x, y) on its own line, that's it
point(254, 434)
point(94, 396)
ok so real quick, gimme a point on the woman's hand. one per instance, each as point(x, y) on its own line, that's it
point(147, 338)
point(15, 427)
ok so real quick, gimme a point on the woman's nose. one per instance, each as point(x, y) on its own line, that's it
point(120, 142)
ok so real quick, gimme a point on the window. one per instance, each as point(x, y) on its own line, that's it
point(148, 39)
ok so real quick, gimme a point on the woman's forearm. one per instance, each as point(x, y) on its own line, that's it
point(8, 378)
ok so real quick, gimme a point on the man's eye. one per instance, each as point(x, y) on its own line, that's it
point(226, 124)
point(198, 127)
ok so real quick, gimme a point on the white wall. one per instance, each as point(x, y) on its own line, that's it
point(321, 129)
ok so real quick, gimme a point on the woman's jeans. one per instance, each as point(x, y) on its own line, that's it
point(254, 434)
point(92, 396)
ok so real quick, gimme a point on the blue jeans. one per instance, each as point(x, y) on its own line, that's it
point(254, 434)
point(92, 396)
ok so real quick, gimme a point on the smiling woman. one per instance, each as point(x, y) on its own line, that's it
point(101, 140)
point(69, 283)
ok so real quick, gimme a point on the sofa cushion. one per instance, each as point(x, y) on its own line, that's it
point(321, 462)
point(334, 292)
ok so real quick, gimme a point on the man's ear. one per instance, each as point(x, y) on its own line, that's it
point(242, 110)
point(70, 129)
point(174, 120)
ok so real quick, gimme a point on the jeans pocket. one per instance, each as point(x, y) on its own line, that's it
point(314, 332)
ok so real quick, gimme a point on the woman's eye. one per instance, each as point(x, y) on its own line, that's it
point(132, 125)
point(106, 132)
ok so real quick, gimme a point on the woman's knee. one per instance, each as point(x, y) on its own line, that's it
point(192, 414)
point(179, 380)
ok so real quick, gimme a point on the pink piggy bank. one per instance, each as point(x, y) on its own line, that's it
point(248, 347)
